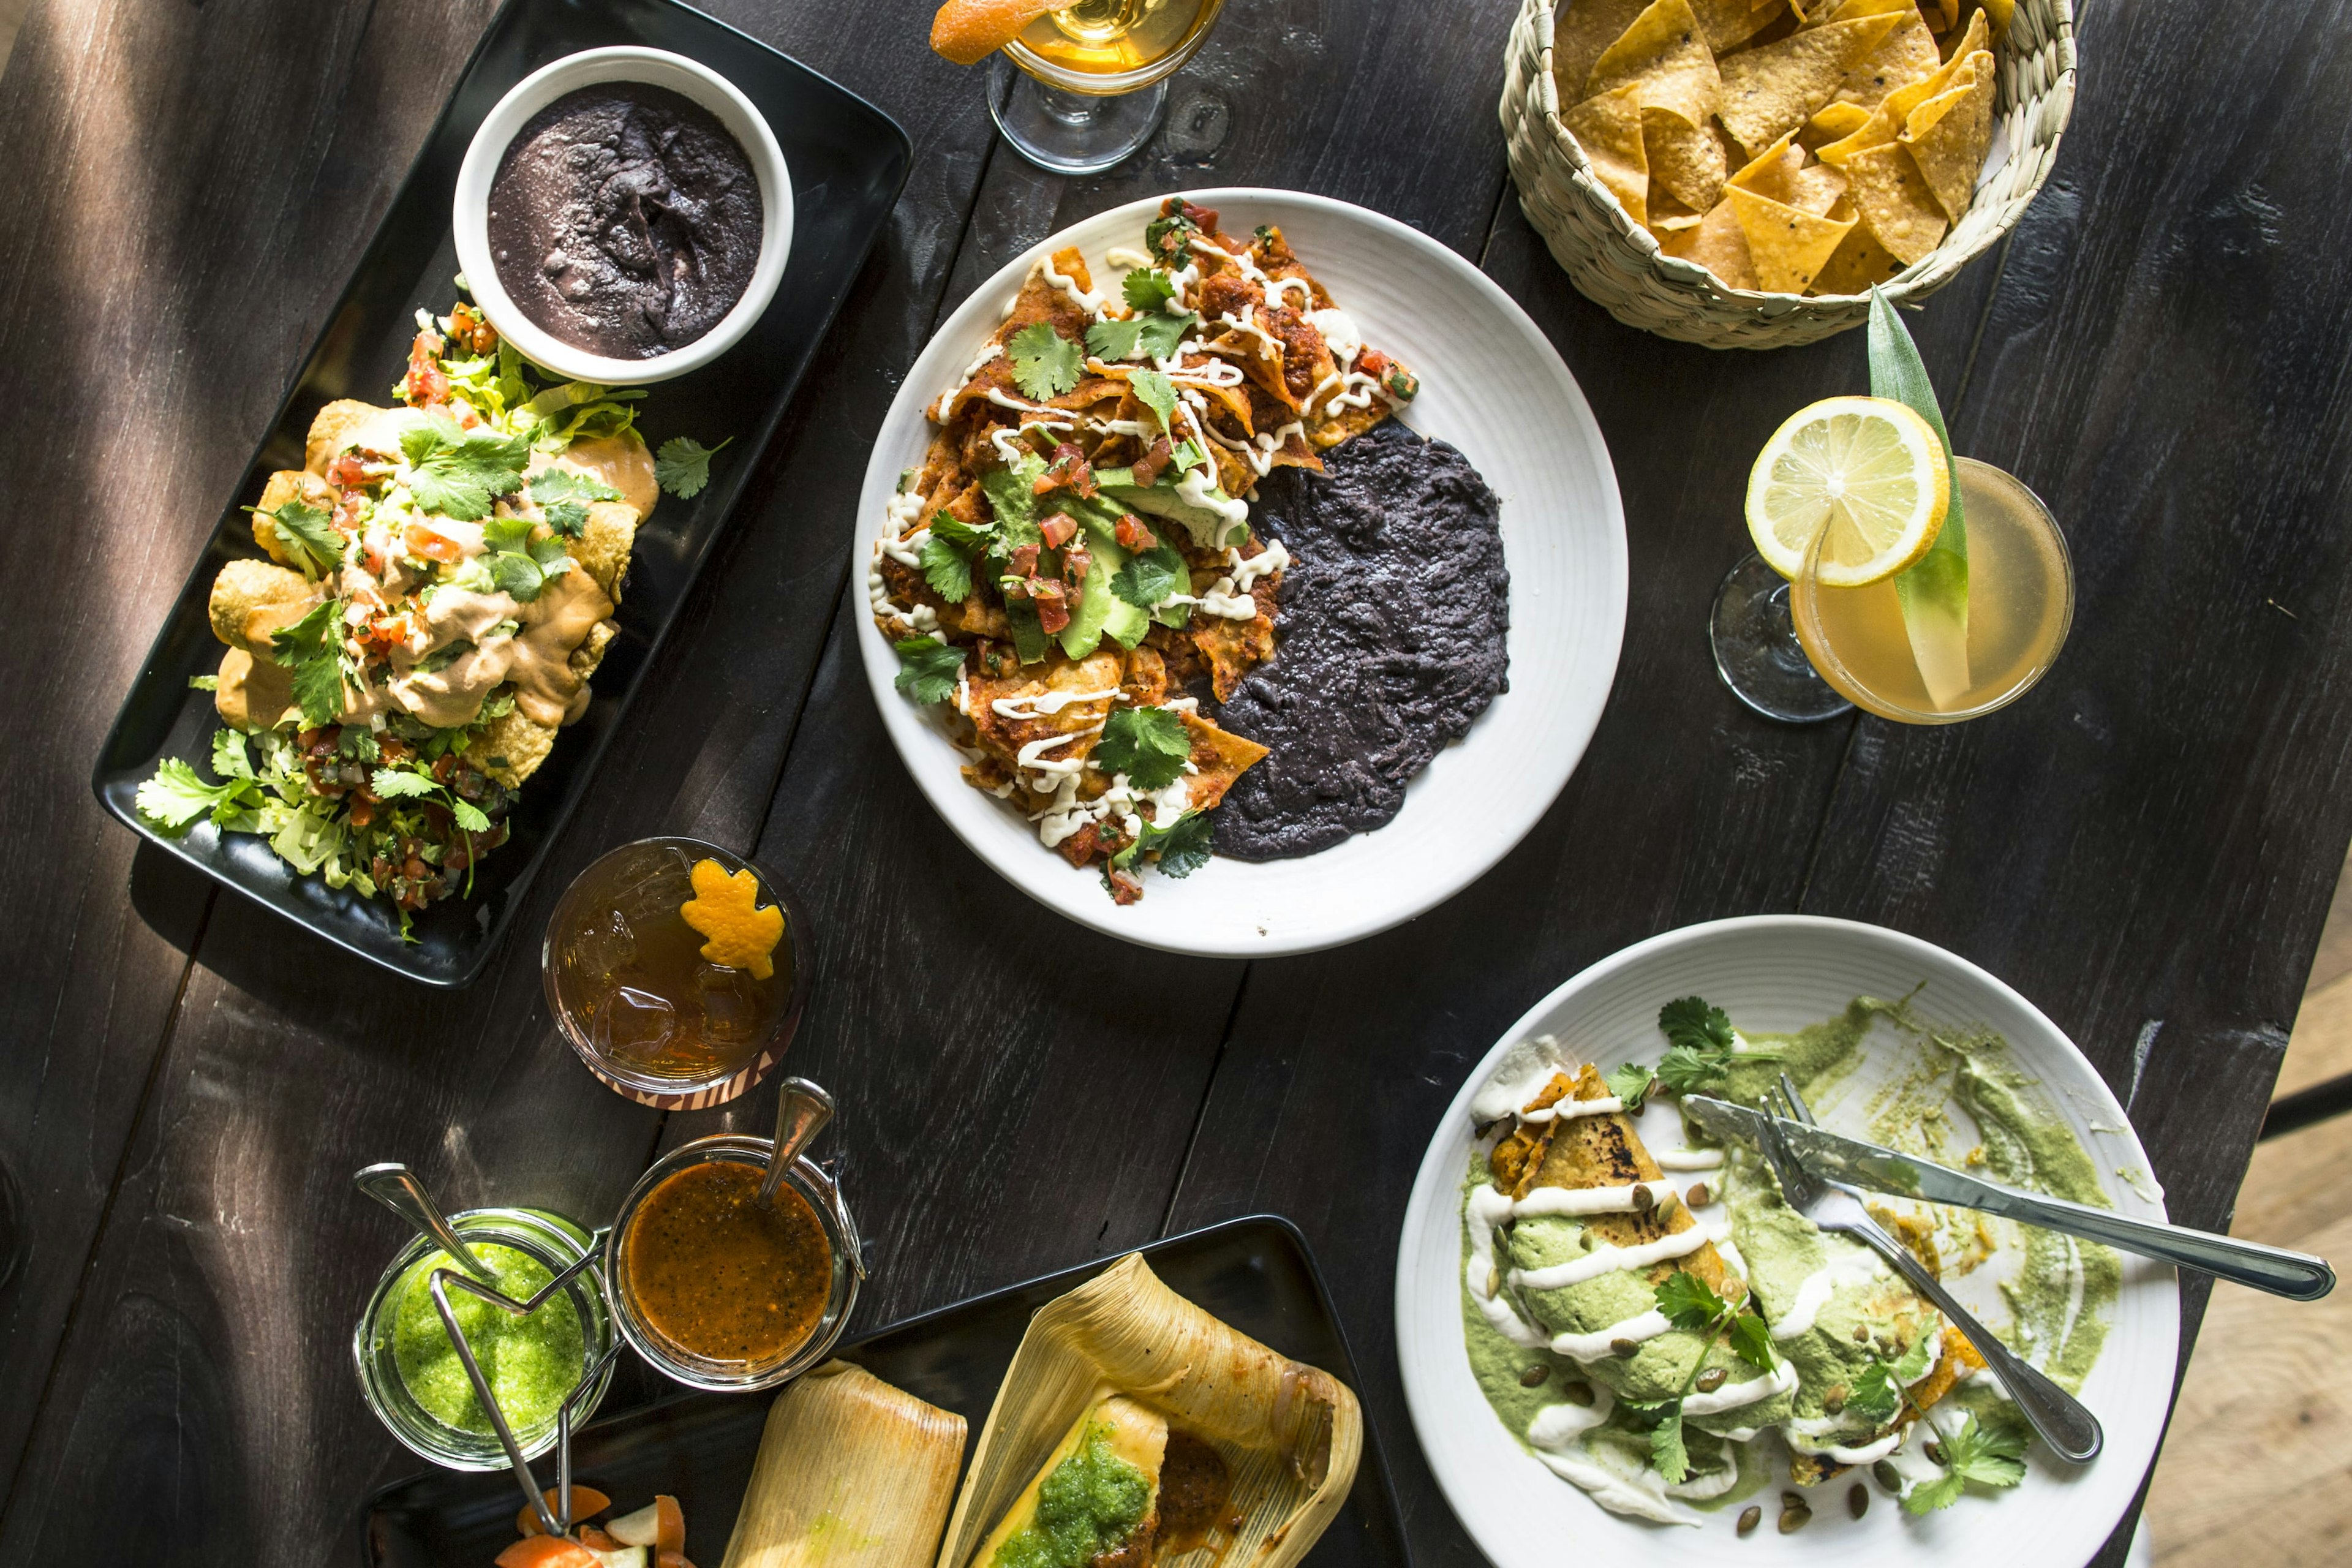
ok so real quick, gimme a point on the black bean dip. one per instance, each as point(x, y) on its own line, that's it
point(624, 220)
point(1390, 639)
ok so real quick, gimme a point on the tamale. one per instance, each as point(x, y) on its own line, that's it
point(851, 1473)
point(1286, 1437)
point(1113, 1452)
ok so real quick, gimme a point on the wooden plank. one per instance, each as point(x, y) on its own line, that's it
point(211, 1343)
point(141, 381)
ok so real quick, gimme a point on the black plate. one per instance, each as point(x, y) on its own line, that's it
point(847, 160)
point(1256, 1274)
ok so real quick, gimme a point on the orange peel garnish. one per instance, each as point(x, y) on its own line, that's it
point(726, 909)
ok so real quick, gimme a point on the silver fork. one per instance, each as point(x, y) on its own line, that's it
point(2072, 1431)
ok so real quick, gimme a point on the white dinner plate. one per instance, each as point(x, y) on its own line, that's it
point(1495, 388)
point(1773, 973)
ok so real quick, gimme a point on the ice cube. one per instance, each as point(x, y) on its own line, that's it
point(730, 1006)
point(637, 1024)
point(603, 945)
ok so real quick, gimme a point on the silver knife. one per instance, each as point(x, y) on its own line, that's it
point(2296, 1274)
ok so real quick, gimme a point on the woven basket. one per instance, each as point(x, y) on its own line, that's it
point(1616, 263)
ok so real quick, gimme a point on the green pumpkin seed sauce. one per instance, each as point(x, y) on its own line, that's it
point(2060, 1292)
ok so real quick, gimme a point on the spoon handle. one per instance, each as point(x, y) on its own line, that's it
point(395, 1186)
point(801, 1111)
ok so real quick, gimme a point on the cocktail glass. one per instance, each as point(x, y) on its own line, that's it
point(1082, 88)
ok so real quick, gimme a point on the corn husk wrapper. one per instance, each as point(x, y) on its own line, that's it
point(851, 1473)
point(1291, 1434)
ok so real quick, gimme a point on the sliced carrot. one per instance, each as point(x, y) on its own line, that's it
point(547, 1552)
point(587, 1502)
point(669, 1524)
point(596, 1540)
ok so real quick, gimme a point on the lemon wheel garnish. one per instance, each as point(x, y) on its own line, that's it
point(1868, 469)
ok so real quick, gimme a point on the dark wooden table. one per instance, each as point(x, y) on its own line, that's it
point(2145, 846)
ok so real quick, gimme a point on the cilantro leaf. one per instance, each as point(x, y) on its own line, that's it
point(1630, 1083)
point(1875, 1395)
point(312, 649)
point(1686, 1071)
point(470, 816)
point(1751, 1342)
point(683, 466)
point(401, 784)
point(229, 760)
point(1929, 1495)
point(517, 575)
point(1170, 238)
point(1147, 289)
point(1989, 1456)
point(946, 568)
point(507, 533)
point(927, 670)
point(1045, 364)
point(1115, 339)
point(1158, 393)
point(1691, 1022)
point(306, 528)
point(1689, 1303)
point(1150, 577)
point(1667, 1455)
point(1029, 639)
point(955, 531)
point(176, 796)
point(1912, 1364)
point(563, 495)
point(1149, 745)
point(1163, 334)
point(1183, 848)
point(458, 473)
point(204, 683)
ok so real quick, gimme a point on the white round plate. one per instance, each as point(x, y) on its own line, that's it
point(1494, 387)
point(1771, 973)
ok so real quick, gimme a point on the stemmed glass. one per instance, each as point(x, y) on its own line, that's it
point(1085, 85)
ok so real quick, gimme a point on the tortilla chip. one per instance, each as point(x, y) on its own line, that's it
point(1905, 56)
point(1782, 173)
point(1948, 136)
point(1665, 52)
point(331, 430)
point(1895, 202)
point(1219, 757)
point(1581, 33)
point(1609, 129)
point(1727, 24)
point(1858, 262)
point(1775, 88)
point(251, 599)
point(1686, 161)
point(1667, 215)
point(1835, 122)
point(604, 545)
point(1785, 246)
point(1718, 244)
point(2000, 11)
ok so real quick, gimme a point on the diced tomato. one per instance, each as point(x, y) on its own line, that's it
point(1025, 560)
point(1052, 614)
point(468, 326)
point(427, 386)
point(348, 471)
point(1075, 562)
point(1059, 528)
point(1206, 217)
point(1069, 471)
point(1134, 533)
point(1153, 463)
point(1124, 888)
point(424, 543)
point(1372, 363)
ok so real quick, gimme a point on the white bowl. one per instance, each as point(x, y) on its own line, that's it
point(1492, 385)
point(1776, 972)
point(470, 216)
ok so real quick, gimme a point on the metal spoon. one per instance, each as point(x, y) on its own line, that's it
point(801, 1111)
point(395, 1186)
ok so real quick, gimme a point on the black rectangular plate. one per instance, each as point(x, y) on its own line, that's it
point(1256, 1274)
point(847, 161)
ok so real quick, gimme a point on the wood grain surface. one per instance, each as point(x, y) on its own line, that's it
point(2146, 845)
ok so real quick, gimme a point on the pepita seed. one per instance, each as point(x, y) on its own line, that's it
point(1579, 1392)
point(1795, 1520)
point(1622, 1347)
point(1644, 1200)
point(1749, 1518)
point(1711, 1379)
point(1935, 1452)
point(1887, 1476)
point(1834, 1400)
point(1533, 1377)
point(1857, 1501)
point(1700, 1197)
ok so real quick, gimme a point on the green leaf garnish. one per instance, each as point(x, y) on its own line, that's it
point(312, 649)
point(682, 467)
point(1150, 577)
point(927, 669)
point(1701, 1045)
point(564, 494)
point(1183, 845)
point(306, 528)
point(1013, 497)
point(1149, 745)
point(1751, 1342)
point(1667, 1455)
point(458, 473)
point(1987, 1457)
point(1045, 364)
point(1157, 393)
point(947, 568)
point(1631, 1083)
point(204, 683)
point(1933, 594)
point(175, 796)
point(1688, 1302)
point(470, 816)
point(1147, 289)
point(401, 784)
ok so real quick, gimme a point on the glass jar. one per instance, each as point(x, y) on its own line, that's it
point(696, 1371)
point(629, 986)
point(554, 1243)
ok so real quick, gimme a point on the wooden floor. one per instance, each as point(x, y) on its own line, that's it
point(2260, 1447)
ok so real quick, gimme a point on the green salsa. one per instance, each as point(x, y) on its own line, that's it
point(531, 1361)
point(1090, 1503)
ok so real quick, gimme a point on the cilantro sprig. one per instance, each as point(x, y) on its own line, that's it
point(319, 548)
point(682, 467)
point(1148, 334)
point(927, 669)
point(177, 795)
point(519, 565)
point(460, 473)
point(1700, 1044)
point(1632, 1083)
point(1690, 1304)
point(1150, 575)
point(1149, 745)
point(1879, 1392)
point(949, 553)
point(311, 648)
point(1182, 846)
point(1157, 393)
point(1045, 364)
point(562, 496)
point(1982, 1456)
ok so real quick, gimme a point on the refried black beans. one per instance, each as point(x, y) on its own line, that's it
point(1390, 637)
point(624, 220)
